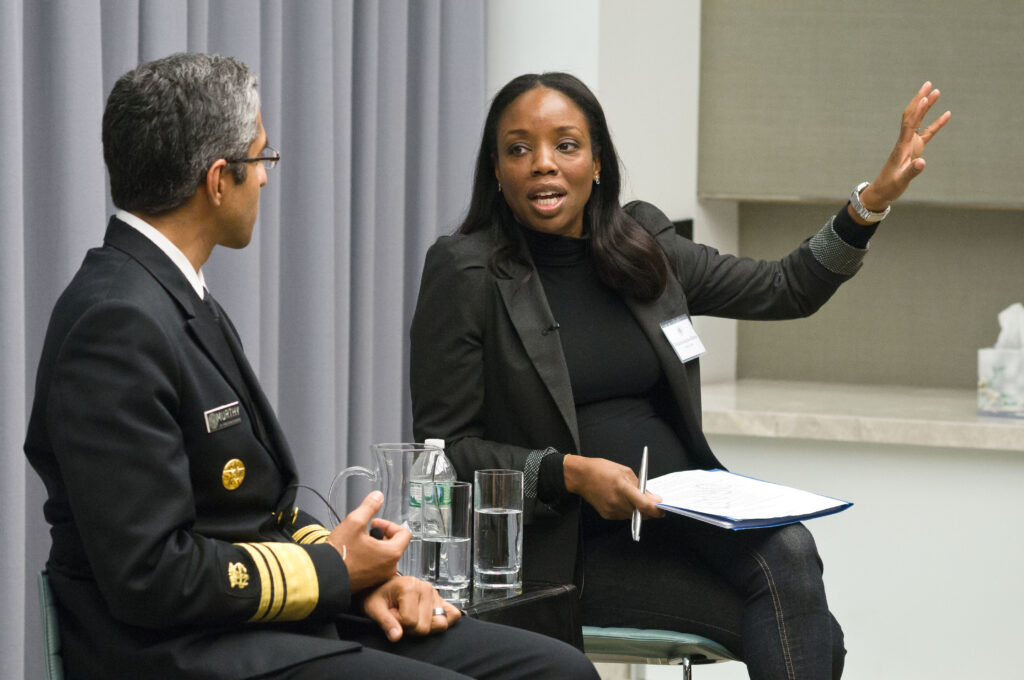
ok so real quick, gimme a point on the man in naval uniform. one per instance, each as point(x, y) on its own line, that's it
point(177, 551)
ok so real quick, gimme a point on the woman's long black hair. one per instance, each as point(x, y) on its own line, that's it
point(626, 257)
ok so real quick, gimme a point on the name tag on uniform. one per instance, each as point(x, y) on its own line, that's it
point(223, 416)
point(683, 338)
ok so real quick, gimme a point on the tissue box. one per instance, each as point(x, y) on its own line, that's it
point(1001, 382)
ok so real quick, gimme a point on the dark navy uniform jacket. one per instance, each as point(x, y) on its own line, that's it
point(176, 549)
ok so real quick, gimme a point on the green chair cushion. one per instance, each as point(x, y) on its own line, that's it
point(651, 646)
point(51, 631)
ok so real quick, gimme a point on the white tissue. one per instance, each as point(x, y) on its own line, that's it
point(1011, 327)
point(1001, 368)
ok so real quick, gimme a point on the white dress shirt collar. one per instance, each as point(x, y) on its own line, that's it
point(195, 278)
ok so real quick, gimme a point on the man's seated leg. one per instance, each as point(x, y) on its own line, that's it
point(364, 664)
point(480, 650)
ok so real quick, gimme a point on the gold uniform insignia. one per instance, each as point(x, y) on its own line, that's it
point(233, 474)
point(238, 575)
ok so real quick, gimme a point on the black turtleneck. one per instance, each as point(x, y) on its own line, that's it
point(613, 369)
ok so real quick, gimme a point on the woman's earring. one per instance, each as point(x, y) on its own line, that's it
point(499, 187)
point(597, 180)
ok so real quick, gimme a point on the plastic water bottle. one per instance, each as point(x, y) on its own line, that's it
point(432, 466)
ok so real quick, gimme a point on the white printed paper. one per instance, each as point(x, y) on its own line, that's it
point(737, 502)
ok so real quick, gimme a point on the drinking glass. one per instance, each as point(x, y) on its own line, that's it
point(498, 530)
point(446, 521)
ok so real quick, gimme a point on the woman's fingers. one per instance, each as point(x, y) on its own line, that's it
point(929, 132)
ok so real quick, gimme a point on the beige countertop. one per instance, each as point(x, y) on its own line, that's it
point(881, 414)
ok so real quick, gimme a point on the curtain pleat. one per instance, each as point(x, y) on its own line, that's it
point(13, 374)
point(376, 109)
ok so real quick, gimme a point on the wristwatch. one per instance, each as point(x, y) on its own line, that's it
point(859, 208)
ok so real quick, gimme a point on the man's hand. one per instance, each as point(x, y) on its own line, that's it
point(407, 604)
point(369, 561)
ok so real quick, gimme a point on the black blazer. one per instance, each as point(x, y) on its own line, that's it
point(161, 565)
point(488, 376)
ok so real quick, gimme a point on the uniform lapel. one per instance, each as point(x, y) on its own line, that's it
point(209, 336)
point(204, 328)
point(263, 416)
point(198, 318)
point(527, 307)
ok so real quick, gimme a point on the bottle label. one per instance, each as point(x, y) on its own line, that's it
point(420, 493)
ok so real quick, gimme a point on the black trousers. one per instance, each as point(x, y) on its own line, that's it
point(758, 592)
point(469, 649)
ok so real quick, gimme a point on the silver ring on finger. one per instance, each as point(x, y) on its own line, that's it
point(438, 611)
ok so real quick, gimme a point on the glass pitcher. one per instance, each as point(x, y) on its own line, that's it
point(392, 471)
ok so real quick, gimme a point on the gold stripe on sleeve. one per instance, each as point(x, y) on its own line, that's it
point(265, 581)
point(313, 533)
point(279, 592)
point(301, 583)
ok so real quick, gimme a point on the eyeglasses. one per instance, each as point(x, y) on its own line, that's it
point(270, 158)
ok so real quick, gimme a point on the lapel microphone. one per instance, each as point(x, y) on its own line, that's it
point(551, 329)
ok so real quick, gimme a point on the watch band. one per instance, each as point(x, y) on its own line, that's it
point(859, 208)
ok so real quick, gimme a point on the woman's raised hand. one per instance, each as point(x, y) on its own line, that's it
point(906, 161)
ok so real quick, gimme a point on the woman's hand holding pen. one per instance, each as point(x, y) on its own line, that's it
point(906, 161)
point(611, 488)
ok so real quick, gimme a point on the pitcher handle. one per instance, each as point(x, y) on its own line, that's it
point(341, 477)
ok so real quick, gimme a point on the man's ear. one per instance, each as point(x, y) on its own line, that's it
point(215, 177)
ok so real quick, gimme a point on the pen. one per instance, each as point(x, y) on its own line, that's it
point(643, 489)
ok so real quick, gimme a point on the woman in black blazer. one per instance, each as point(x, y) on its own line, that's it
point(538, 345)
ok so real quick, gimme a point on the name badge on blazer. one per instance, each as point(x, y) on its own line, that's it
point(683, 338)
point(223, 417)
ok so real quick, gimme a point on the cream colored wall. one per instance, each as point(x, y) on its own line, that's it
point(649, 86)
point(532, 36)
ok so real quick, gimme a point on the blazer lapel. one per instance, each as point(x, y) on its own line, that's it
point(527, 307)
point(649, 315)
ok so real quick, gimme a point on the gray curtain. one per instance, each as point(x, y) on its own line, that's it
point(376, 108)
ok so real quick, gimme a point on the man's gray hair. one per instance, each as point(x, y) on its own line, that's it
point(168, 120)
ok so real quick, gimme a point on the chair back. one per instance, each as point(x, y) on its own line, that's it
point(51, 631)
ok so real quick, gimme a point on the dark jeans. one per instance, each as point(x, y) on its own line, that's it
point(469, 649)
point(758, 592)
